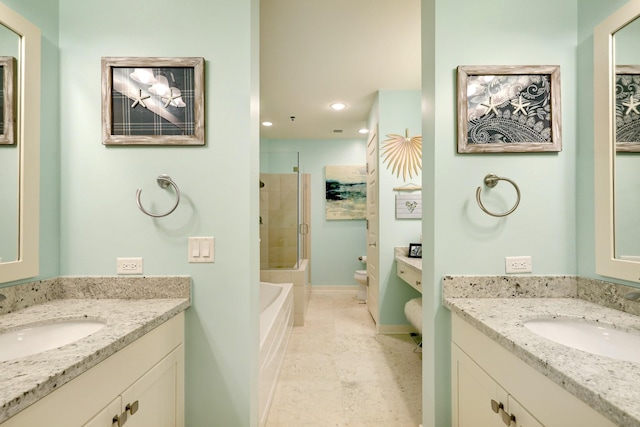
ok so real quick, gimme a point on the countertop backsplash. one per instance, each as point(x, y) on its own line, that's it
point(94, 287)
point(597, 291)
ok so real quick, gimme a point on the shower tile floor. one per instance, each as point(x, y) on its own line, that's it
point(338, 372)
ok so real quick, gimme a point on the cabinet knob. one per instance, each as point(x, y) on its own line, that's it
point(119, 420)
point(507, 418)
point(495, 406)
point(401, 271)
point(132, 407)
point(418, 283)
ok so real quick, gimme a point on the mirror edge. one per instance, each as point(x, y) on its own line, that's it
point(604, 147)
point(28, 131)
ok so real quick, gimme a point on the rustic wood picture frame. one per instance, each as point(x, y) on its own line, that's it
point(8, 100)
point(153, 101)
point(627, 105)
point(509, 109)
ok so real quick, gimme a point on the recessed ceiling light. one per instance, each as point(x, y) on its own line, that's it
point(338, 106)
point(363, 131)
point(267, 124)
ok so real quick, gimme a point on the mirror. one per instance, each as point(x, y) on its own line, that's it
point(19, 158)
point(9, 155)
point(627, 142)
point(617, 185)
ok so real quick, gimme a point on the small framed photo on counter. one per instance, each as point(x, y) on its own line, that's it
point(415, 250)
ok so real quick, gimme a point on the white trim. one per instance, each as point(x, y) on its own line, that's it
point(604, 147)
point(349, 288)
point(28, 140)
point(396, 329)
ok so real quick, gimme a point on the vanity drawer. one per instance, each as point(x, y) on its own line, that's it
point(409, 274)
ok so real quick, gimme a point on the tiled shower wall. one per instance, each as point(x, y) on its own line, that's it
point(279, 221)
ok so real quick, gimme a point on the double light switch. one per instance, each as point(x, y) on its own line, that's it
point(201, 249)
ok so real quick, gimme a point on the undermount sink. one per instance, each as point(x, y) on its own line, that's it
point(32, 339)
point(592, 337)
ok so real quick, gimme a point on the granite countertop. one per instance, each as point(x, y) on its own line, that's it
point(401, 255)
point(26, 380)
point(609, 386)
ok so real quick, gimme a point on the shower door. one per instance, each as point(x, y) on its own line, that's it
point(279, 210)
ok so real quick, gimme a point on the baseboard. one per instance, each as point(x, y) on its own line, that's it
point(395, 329)
point(334, 288)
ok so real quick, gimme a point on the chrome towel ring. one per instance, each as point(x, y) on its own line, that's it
point(491, 180)
point(163, 182)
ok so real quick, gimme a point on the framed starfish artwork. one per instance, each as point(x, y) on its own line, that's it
point(627, 114)
point(152, 101)
point(509, 109)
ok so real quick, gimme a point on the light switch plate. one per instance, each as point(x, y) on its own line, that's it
point(201, 249)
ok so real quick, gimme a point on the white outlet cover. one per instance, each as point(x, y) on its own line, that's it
point(129, 266)
point(518, 264)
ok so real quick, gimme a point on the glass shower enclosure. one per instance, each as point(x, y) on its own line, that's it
point(282, 225)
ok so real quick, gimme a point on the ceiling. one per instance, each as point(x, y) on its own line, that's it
point(315, 52)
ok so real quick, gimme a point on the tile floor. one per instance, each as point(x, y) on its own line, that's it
point(338, 372)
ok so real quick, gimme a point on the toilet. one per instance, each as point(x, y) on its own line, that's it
point(361, 278)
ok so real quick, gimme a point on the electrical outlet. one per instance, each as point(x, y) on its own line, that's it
point(129, 265)
point(518, 264)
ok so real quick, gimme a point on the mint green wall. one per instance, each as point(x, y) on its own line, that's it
point(100, 220)
point(335, 245)
point(397, 110)
point(45, 16)
point(461, 238)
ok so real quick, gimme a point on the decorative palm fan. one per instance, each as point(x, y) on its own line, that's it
point(403, 153)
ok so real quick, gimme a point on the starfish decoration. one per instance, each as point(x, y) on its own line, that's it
point(520, 105)
point(491, 106)
point(171, 98)
point(140, 100)
point(632, 105)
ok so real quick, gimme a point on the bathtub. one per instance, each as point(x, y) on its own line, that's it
point(276, 323)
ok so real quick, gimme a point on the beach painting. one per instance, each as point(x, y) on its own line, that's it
point(346, 192)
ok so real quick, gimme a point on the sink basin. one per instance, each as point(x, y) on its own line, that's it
point(592, 337)
point(32, 339)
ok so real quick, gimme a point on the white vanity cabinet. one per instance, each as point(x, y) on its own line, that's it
point(141, 385)
point(480, 401)
point(492, 387)
point(409, 274)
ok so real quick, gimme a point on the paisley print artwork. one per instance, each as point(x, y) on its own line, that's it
point(509, 109)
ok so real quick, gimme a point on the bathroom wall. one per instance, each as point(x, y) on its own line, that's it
point(458, 237)
point(335, 245)
point(394, 111)
point(218, 181)
point(45, 16)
